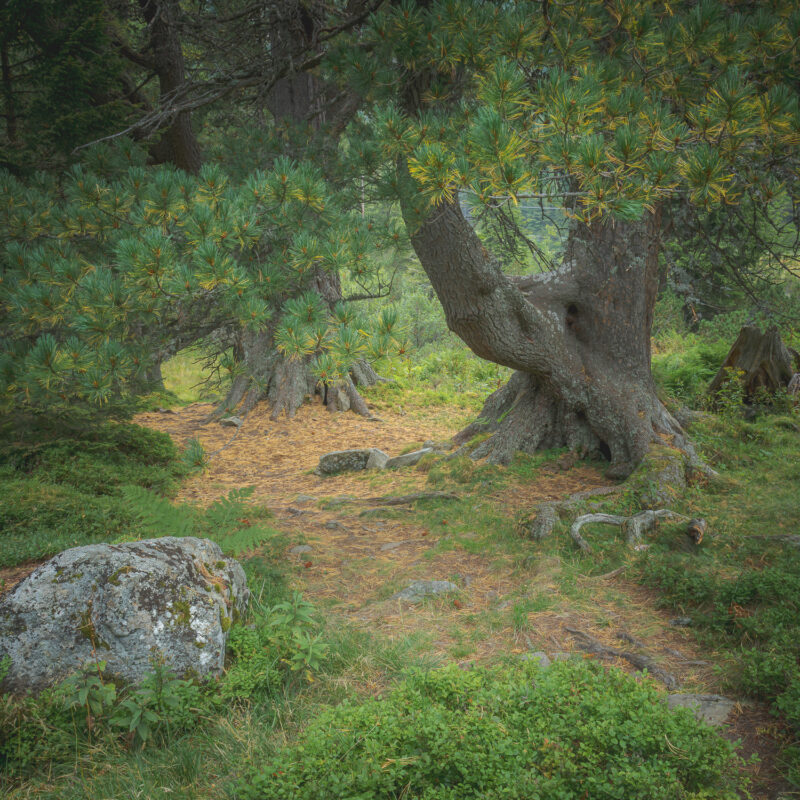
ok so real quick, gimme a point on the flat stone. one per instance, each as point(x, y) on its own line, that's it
point(169, 598)
point(231, 422)
point(344, 461)
point(392, 545)
point(408, 459)
point(418, 590)
point(377, 459)
point(711, 708)
point(681, 622)
point(302, 499)
point(333, 525)
point(301, 548)
point(540, 656)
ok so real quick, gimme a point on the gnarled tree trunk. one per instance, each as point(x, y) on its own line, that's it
point(578, 338)
point(296, 100)
point(284, 383)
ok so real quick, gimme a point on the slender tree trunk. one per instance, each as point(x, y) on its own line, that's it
point(8, 94)
point(178, 144)
point(578, 338)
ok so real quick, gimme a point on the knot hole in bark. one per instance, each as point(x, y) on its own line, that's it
point(572, 319)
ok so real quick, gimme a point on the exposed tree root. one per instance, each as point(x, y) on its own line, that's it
point(410, 498)
point(633, 528)
point(591, 645)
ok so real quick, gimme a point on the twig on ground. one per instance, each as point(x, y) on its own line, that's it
point(410, 498)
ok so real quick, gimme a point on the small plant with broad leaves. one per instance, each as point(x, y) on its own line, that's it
point(162, 701)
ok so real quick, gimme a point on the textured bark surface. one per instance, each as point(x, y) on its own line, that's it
point(766, 363)
point(285, 383)
point(578, 338)
point(178, 144)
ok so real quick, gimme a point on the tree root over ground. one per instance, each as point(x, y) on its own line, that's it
point(633, 527)
point(591, 645)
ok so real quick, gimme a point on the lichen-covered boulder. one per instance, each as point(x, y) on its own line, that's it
point(348, 461)
point(170, 599)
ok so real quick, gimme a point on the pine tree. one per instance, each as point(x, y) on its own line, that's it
point(107, 269)
point(617, 111)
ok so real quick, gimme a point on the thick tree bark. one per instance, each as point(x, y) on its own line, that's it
point(578, 338)
point(178, 144)
point(284, 383)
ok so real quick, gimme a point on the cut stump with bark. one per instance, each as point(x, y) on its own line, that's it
point(762, 361)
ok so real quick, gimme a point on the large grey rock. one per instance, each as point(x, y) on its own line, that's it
point(711, 708)
point(345, 461)
point(418, 590)
point(377, 459)
point(171, 598)
point(408, 459)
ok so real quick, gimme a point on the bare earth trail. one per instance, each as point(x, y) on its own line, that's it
point(511, 600)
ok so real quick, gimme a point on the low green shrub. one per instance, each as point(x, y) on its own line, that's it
point(571, 731)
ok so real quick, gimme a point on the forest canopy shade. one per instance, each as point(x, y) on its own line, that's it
point(622, 113)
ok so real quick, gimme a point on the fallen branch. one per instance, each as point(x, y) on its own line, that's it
point(409, 498)
point(633, 528)
point(591, 645)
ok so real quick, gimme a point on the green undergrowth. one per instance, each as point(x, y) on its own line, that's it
point(63, 488)
point(741, 586)
point(571, 731)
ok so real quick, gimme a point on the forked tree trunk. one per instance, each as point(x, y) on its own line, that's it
point(578, 338)
point(765, 364)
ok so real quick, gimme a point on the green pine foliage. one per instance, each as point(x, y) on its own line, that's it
point(104, 268)
point(611, 109)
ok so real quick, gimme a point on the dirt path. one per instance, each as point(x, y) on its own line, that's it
point(360, 558)
point(512, 598)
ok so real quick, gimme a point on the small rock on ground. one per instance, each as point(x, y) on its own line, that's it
point(681, 622)
point(418, 590)
point(539, 656)
point(407, 459)
point(377, 459)
point(301, 548)
point(711, 708)
point(231, 422)
point(301, 499)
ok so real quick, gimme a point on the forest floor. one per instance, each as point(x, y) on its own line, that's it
point(513, 598)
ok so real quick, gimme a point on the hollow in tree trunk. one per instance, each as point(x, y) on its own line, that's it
point(578, 338)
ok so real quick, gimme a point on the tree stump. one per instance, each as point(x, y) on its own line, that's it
point(762, 359)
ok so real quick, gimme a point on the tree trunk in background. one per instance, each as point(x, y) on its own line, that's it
point(296, 100)
point(178, 144)
point(765, 362)
point(578, 338)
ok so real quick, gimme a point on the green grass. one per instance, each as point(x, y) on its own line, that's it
point(186, 377)
point(60, 490)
